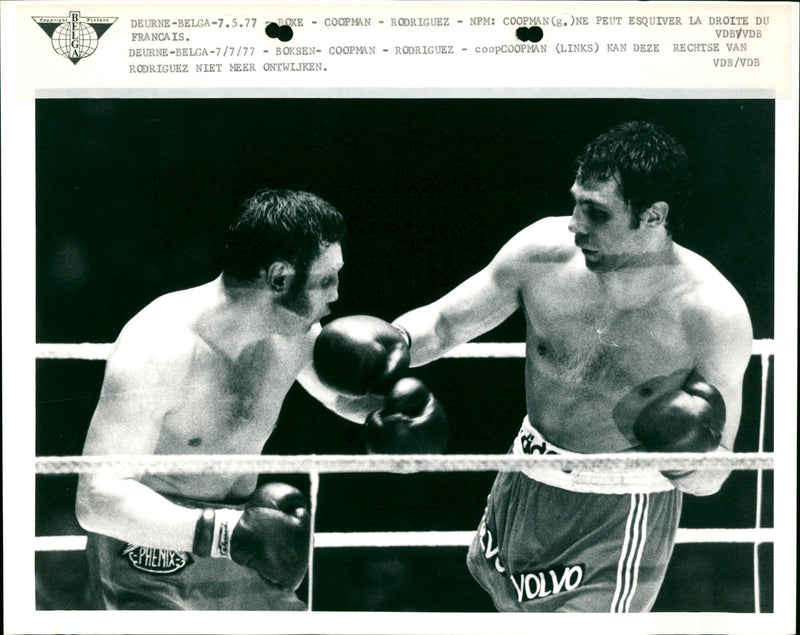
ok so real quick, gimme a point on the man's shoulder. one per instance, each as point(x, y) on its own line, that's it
point(160, 333)
point(551, 230)
point(709, 289)
point(710, 302)
point(547, 240)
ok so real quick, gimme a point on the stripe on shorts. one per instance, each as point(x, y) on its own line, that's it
point(631, 556)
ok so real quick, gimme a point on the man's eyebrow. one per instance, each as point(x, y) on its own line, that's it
point(586, 200)
point(327, 272)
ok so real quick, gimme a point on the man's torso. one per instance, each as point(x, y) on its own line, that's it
point(591, 364)
point(219, 405)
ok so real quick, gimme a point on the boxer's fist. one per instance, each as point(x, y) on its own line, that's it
point(689, 419)
point(412, 422)
point(360, 354)
point(272, 535)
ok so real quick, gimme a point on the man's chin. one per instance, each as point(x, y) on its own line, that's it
point(293, 322)
point(594, 262)
point(303, 323)
point(607, 263)
point(298, 327)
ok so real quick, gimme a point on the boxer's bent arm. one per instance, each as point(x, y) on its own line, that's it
point(353, 409)
point(722, 336)
point(474, 307)
point(136, 395)
point(128, 510)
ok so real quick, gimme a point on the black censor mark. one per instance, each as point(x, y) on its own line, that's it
point(530, 34)
point(282, 32)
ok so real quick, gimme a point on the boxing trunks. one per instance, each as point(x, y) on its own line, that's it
point(125, 576)
point(574, 541)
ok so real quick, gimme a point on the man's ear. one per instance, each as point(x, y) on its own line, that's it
point(656, 214)
point(278, 275)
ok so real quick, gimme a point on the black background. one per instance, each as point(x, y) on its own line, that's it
point(131, 199)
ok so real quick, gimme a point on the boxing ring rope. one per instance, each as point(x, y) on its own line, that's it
point(762, 417)
point(315, 465)
point(123, 464)
point(471, 350)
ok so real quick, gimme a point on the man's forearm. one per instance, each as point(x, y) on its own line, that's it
point(699, 482)
point(128, 510)
point(428, 335)
point(356, 409)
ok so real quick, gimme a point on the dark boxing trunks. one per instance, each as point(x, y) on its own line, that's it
point(125, 576)
point(545, 548)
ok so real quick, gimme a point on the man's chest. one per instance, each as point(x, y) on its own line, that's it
point(577, 338)
point(231, 407)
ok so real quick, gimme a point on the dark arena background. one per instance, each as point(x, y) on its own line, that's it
point(131, 199)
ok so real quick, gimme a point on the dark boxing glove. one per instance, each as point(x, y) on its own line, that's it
point(269, 535)
point(361, 354)
point(689, 419)
point(411, 422)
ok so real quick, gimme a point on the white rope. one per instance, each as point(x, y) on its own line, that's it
point(84, 350)
point(762, 418)
point(328, 540)
point(472, 350)
point(464, 538)
point(394, 463)
point(312, 543)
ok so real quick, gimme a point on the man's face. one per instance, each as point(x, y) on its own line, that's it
point(604, 227)
point(310, 298)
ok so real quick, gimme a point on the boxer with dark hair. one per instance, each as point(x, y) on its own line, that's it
point(205, 371)
point(633, 343)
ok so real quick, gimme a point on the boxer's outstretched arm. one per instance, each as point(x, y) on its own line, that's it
point(474, 307)
point(137, 393)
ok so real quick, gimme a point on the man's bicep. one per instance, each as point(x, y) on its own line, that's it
point(313, 385)
point(480, 303)
point(722, 361)
point(130, 411)
point(352, 408)
point(309, 379)
point(730, 387)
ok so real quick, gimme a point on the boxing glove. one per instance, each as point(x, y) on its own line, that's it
point(689, 419)
point(361, 354)
point(269, 535)
point(411, 422)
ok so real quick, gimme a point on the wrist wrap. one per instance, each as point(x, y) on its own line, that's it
point(404, 334)
point(204, 534)
point(212, 535)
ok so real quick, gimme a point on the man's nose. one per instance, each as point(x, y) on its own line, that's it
point(577, 223)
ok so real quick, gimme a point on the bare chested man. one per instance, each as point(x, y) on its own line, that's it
point(205, 371)
point(633, 342)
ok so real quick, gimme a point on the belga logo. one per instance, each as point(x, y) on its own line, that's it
point(74, 37)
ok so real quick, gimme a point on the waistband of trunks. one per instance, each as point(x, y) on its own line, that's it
point(530, 441)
